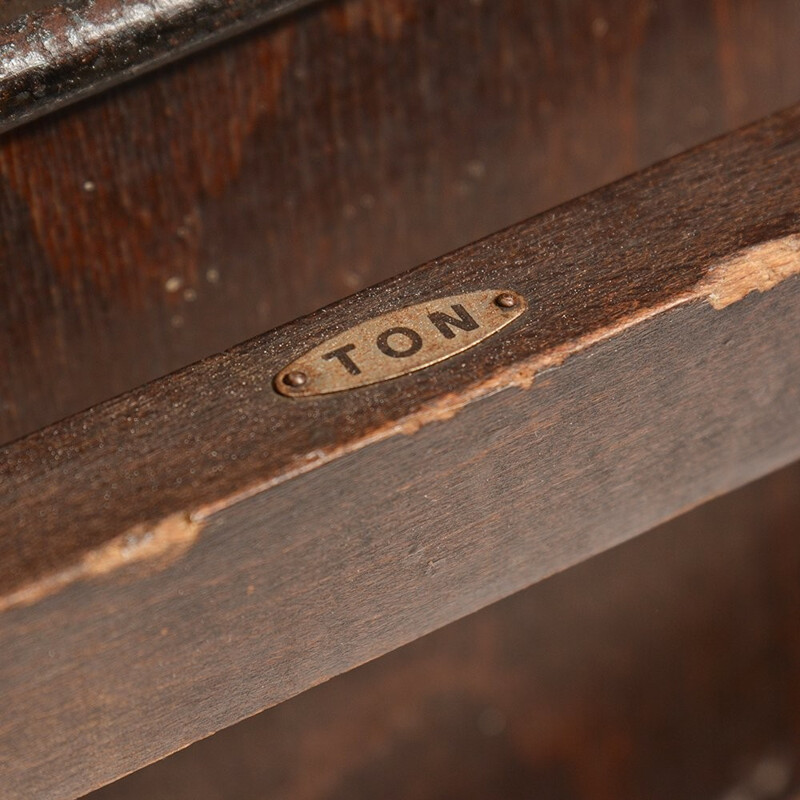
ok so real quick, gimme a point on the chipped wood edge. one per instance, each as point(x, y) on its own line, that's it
point(755, 269)
point(157, 547)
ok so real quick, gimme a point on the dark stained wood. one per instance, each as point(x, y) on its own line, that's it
point(230, 193)
point(667, 667)
point(54, 54)
point(305, 537)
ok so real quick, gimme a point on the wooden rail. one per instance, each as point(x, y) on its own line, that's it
point(201, 548)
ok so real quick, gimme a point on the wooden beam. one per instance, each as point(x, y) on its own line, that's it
point(192, 552)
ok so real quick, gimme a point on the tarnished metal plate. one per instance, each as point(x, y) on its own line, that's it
point(400, 342)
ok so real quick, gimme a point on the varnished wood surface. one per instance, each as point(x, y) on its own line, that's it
point(54, 54)
point(463, 483)
point(202, 205)
point(666, 668)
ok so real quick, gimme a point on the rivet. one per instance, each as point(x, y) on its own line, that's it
point(505, 300)
point(295, 379)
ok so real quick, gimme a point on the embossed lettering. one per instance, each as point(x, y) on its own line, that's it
point(444, 321)
point(415, 342)
point(340, 354)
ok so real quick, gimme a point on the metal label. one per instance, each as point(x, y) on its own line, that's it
point(400, 342)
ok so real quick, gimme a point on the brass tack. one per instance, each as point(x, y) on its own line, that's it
point(295, 379)
point(505, 300)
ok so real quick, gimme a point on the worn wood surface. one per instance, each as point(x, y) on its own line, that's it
point(204, 548)
point(230, 193)
point(666, 668)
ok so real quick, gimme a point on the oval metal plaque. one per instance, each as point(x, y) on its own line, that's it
point(400, 342)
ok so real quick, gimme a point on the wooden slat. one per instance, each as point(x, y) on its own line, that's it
point(199, 549)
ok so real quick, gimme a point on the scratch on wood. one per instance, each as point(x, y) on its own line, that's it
point(156, 546)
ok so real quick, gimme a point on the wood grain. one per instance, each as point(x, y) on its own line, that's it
point(667, 667)
point(194, 208)
point(305, 537)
